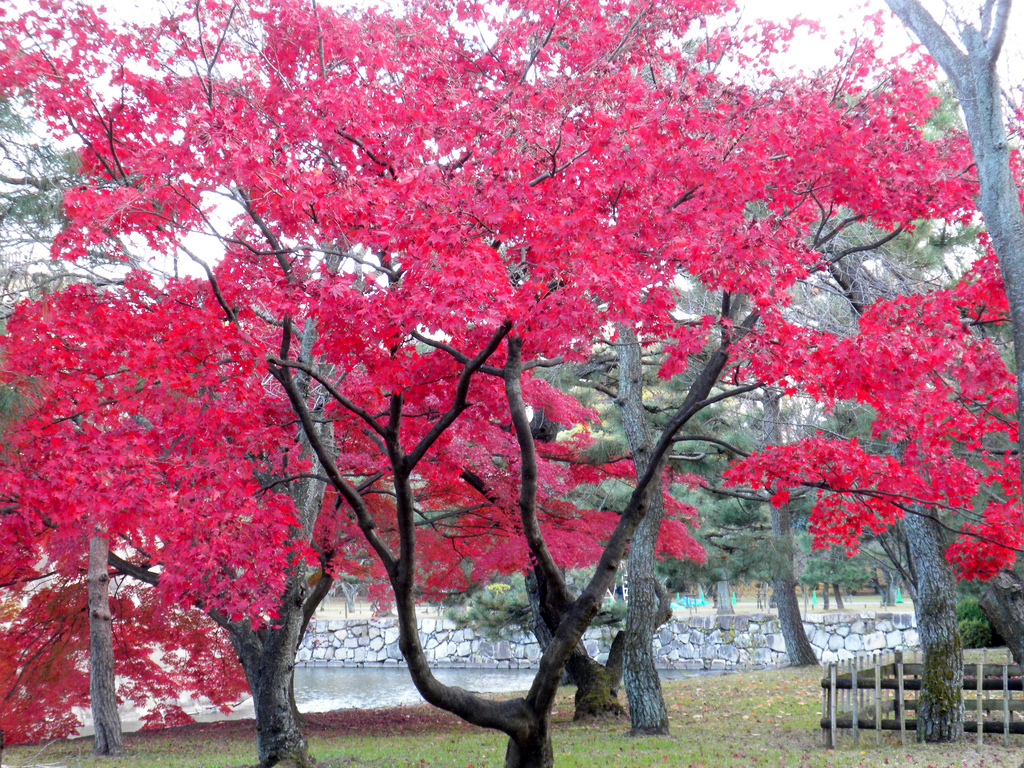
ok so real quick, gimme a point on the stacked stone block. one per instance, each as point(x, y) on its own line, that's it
point(694, 643)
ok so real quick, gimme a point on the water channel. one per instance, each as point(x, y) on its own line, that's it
point(322, 689)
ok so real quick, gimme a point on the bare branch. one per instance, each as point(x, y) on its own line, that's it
point(459, 356)
point(461, 392)
point(333, 391)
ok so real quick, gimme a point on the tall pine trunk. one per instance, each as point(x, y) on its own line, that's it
point(102, 689)
point(839, 597)
point(723, 598)
point(648, 606)
point(798, 647)
point(940, 714)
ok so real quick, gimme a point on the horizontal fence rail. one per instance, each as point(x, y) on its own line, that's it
point(880, 693)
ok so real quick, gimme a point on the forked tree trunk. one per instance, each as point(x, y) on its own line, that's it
point(596, 684)
point(940, 714)
point(267, 656)
point(648, 606)
point(1003, 603)
point(102, 689)
point(525, 720)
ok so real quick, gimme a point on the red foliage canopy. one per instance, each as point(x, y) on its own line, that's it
point(403, 188)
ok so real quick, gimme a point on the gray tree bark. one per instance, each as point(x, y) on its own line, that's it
point(649, 605)
point(267, 656)
point(971, 67)
point(723, 598)
point(940, 714)
point(102, 689)
point(1003, 603)
point(798, 647)
point(970, 64)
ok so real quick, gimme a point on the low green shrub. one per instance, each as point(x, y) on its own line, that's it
point(967, 609)
point(501, 609)
point(976, 633)
point(976, 630)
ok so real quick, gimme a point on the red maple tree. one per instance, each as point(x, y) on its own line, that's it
point(429, 208)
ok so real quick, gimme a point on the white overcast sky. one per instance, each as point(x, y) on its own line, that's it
point(836, 16)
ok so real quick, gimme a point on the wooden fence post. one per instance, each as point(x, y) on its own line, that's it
point(854, 691)
point(900, 703)
point(1006, 705)
point(826, 697)
point(877, 660)
point(981, 700)
point(832, 706)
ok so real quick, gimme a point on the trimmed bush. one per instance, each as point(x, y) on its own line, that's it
point(975, 633)
point(967, 609)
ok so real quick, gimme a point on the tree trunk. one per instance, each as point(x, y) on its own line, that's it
point(839, 597)
point(798, 647)
point(1003, 603)
point(724, 601)
point(267, 656)
point(647, 712)
point(648, 606)
point(350, 591)
point(596, 685)
point(102, 687)
point(940, 714)
point(534, 749)
point(971, 66)
point(889, 592)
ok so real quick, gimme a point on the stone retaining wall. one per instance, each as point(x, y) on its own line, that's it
point(697, 642)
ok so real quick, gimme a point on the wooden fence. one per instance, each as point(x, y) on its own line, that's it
point(880, 693)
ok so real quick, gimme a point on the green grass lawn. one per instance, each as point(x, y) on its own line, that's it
point(762, 718)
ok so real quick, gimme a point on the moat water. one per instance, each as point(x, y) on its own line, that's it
point(322, 689)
